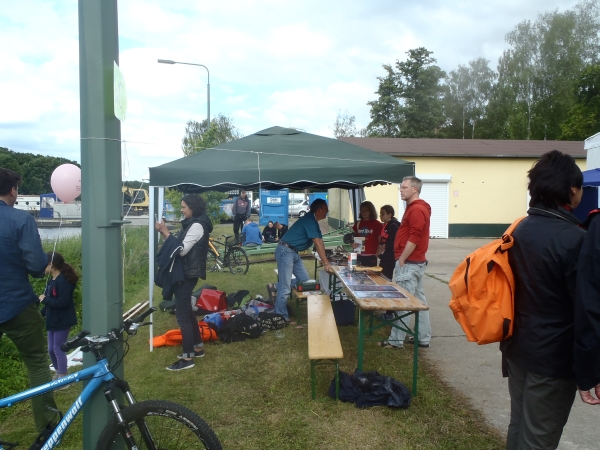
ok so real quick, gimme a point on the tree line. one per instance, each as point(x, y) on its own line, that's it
point(546, 86)
point(35, 170)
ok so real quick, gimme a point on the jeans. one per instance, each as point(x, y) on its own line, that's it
point(57, 356)
point(410, 278)
point(26, 330)
point(186, 319)
point(539, 409)
point(288, 263)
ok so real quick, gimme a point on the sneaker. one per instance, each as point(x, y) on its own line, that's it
point(197, 354)
point(411, 341)
point(181, 365)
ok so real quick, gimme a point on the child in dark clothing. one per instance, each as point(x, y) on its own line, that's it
point(269, 233)
point(59, 309)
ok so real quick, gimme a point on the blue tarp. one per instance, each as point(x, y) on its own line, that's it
point(591, 177)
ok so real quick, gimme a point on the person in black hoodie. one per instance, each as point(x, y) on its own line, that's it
point(587, 313)
point(538, 358)
point(59, 309)
point(387, 261)
point(269, 233)
point(195, 231)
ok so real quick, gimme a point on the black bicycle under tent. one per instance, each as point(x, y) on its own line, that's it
point(274, 158)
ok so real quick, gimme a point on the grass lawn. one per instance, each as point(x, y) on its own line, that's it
point(256, 394)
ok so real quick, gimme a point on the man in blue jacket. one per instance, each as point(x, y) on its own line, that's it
point(21, 254)
point(251, 234)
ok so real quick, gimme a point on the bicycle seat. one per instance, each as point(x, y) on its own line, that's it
point(226, 236)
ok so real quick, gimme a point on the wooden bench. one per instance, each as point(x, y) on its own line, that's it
point(324, 346)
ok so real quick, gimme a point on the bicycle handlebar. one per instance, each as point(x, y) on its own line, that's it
point(74, 341)
point(130, 326)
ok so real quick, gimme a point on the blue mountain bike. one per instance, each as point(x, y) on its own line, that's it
point(151, 424)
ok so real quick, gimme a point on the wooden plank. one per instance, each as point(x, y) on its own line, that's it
point(410, 303)
point(137, 308)
point(323, 338)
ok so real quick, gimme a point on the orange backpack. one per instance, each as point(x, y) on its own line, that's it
point(483, 290)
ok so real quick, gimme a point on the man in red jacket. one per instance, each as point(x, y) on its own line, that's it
point(410, 247)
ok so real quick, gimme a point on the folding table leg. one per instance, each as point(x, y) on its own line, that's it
point(416, 355)
point(337, 379)
point(312, 379)
point(361, 337)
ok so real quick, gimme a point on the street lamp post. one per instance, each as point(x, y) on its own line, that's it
point(168, 61)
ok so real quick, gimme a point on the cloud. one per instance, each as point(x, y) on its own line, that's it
point(271, 63)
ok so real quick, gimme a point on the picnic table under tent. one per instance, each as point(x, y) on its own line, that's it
point(274, 158)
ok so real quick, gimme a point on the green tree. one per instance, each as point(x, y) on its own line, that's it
point(410, 102)
point(583, 120)
point(386, 119)
point(345, 126)
point(35, 170)
point(536, 73)
point(469, 91)
point(212, 199)
point(199, 136)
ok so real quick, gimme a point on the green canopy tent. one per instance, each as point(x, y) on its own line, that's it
point(274, 158)
point(278, 158)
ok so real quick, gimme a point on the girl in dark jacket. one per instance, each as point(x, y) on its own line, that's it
point(269, 233)
point(195, 231)
point(59, 309)
point(388, 235)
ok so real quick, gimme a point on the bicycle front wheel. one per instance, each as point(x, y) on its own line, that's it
point(158, 424)
point(237, 261)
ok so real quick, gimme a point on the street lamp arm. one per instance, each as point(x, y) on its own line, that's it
point(169, 61)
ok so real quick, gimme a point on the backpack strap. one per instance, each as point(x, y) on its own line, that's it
point(507, 239)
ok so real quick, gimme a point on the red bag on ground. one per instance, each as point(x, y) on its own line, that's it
point(212, 300)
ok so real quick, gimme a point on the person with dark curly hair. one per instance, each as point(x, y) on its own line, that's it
point(196, 227)
point(538, 358)
point(59, 309)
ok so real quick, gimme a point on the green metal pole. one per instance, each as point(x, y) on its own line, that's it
point(101, 189)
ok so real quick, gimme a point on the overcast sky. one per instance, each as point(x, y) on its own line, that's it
point(272, 62)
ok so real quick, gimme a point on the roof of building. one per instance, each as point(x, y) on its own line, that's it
point(466, 148)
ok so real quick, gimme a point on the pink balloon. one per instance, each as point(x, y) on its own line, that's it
point(66, 182)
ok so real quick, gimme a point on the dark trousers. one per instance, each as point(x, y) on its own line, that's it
point(26, 330)
point(388, 265)
point(238, 224)
point(539, 409)
point(186, 319)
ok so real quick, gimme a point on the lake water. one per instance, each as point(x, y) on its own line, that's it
point(50, 234)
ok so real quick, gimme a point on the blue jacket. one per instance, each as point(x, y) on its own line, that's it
point(59, 308)
point(21, 254)
point(169, 266)
point(251, 234)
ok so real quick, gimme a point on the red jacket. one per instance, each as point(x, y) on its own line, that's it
point(414, 228)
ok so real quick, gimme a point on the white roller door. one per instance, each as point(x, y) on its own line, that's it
point(435, 191)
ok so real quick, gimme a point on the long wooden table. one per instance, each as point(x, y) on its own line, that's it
point(368, 306)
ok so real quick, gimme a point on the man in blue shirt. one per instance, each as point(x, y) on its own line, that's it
point(251, 234)
point(21, 255)
point(304, 233)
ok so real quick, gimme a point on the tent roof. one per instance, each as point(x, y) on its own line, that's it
point(591, 177)
point(278, 158)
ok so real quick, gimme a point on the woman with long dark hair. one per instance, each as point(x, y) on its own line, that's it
point(59, 309)
point(195, 231)
point(387, 261)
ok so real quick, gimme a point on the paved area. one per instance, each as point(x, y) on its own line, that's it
point(476, 370)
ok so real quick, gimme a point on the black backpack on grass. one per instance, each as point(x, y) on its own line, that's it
point(239, 328)
point(271, 321)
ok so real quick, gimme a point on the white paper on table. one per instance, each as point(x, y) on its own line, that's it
point(361, 244)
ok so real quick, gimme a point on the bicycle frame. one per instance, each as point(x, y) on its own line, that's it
point(98, 374)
